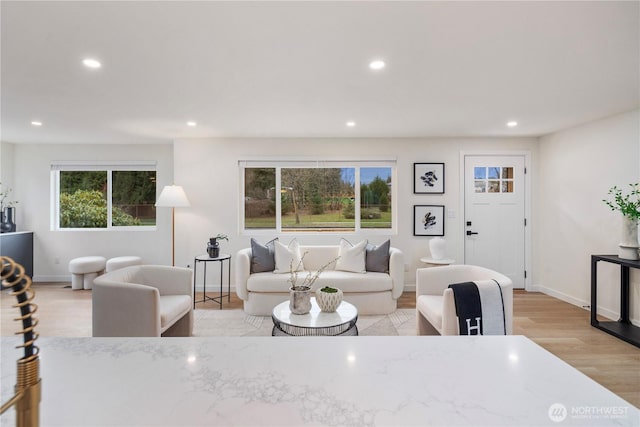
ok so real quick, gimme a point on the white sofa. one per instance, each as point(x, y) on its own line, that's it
point(143, 301)
point(435, 306)
point(370, 292)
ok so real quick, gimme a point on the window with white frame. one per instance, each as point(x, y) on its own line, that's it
point(94, 195)
point(312, 196)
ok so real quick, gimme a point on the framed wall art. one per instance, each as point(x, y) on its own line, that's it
point(428, 220)
point(428, 178)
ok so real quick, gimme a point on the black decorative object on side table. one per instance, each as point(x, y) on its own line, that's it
point(213, 247)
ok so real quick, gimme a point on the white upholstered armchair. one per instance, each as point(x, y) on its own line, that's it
point(143, 301)
point(435, 306)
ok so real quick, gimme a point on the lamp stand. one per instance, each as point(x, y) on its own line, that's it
point(173, 237)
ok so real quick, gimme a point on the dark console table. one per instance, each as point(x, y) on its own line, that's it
point(18, 246)
point(623, 328)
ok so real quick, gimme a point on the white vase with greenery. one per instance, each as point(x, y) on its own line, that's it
point(629, 205)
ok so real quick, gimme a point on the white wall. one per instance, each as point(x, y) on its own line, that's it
point(576, 168)
point(208, 170)
point(571, 173)
point(54, 249)
point(6, 166)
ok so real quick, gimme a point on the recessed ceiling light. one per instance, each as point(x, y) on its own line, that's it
point(91, 63)
point(191, 123)
point(351, 124)
point(512, 124)
point(377, 64)
point(36, 123)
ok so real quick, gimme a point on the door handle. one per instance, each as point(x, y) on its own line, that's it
point(469, 232)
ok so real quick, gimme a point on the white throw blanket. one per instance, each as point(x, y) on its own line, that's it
point(479, 307)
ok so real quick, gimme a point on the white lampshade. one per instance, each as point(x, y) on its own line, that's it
point(172, 196)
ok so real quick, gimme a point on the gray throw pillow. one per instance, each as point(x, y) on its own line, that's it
point(377, 258)
point(262, 256)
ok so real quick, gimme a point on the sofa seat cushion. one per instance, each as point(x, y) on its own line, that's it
point(430, 306)
point(173, 307)
point(346, 281)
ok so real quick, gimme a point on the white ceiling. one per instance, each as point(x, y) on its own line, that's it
point(291, 69)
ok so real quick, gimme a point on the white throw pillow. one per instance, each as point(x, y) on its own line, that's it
point(287, 256)
point(352, 257)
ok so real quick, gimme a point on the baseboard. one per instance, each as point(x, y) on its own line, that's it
point(57, 279)
point(609, 314)
point(215, 289)
point(51, 279)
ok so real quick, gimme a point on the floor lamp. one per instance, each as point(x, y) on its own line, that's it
point(173, 196)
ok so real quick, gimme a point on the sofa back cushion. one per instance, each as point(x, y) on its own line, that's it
point(377, 257)
point(318, 255)
point(262, 256)
point(351, 256)
point(288, 257)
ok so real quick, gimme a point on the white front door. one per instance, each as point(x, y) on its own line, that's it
point(495, 214)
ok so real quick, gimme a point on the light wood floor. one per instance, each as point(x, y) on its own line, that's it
point(559, 327)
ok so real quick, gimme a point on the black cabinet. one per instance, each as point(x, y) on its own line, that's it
point(623, 328)
point(19, 247)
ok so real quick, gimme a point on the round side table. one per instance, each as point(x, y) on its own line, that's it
point(206, 259)
point(437, 262)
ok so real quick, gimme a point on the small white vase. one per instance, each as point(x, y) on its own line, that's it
point(628, 248)
point(438, 248)
point(328, 301)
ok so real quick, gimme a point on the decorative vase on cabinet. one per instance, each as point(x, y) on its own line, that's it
point(8, 225)
point(628, 248)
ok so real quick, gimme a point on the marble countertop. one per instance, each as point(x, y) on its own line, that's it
point(393, 381)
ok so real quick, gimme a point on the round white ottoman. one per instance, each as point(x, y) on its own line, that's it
point(122, 261)
point(84, 270)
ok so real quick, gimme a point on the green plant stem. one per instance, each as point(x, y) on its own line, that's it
point(627, 204)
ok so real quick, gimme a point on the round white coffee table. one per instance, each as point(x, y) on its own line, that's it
point(316, 322)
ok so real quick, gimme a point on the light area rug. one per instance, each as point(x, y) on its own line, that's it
point(235, 323)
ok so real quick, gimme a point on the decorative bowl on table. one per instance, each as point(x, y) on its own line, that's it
point(328, 298)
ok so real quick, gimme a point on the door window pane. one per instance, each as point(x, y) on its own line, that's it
point(507, 186)
point(493, 179)
point(494, 186)
point(480, 172)
point(260, 198)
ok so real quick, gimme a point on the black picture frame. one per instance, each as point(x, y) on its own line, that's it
point(428, 220)
point(428, 178)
